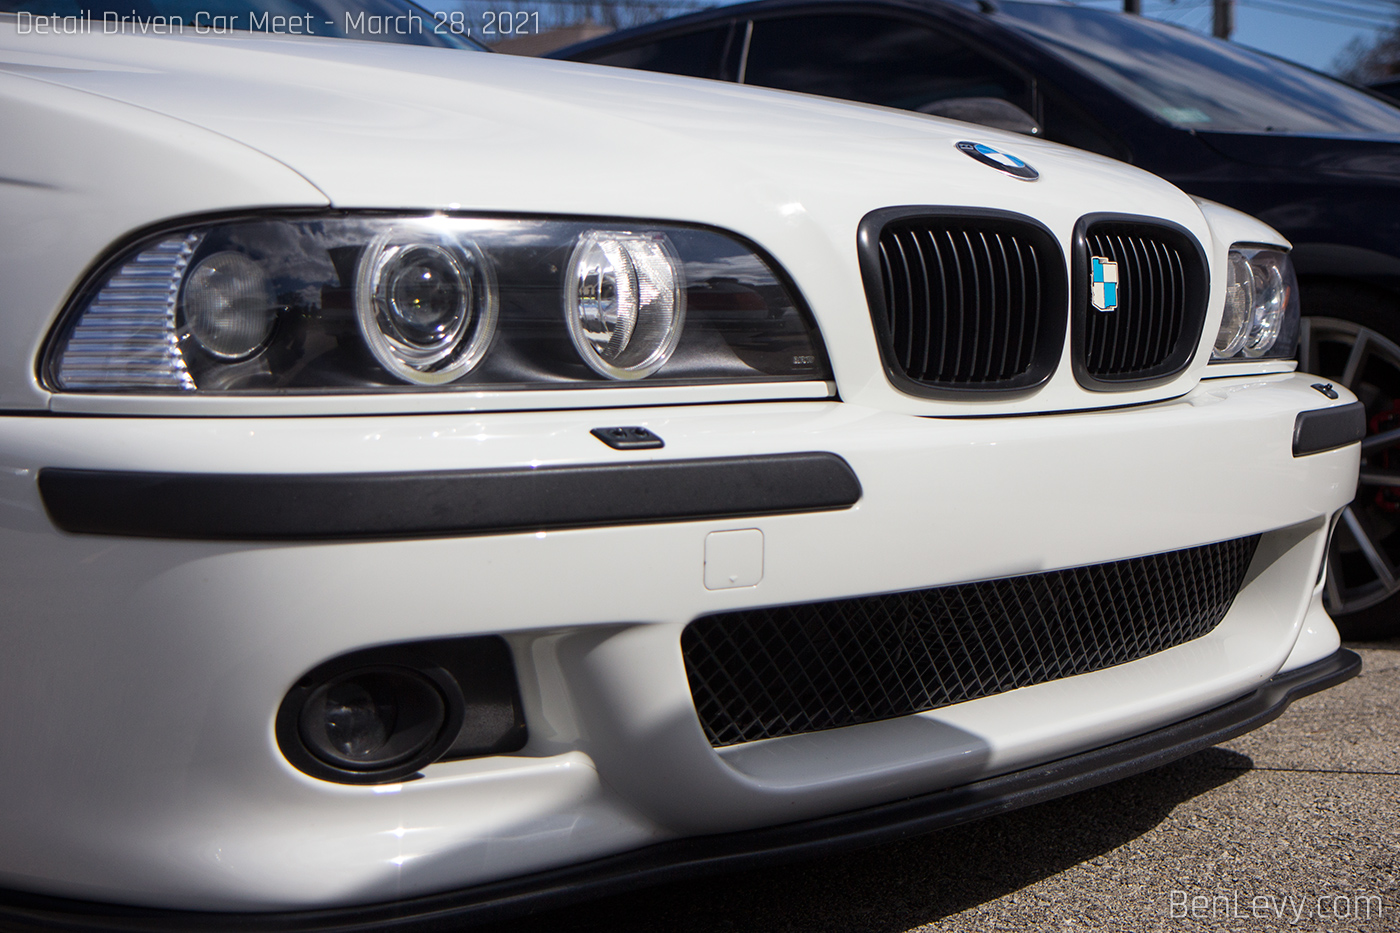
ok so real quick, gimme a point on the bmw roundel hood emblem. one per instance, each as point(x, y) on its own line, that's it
point(1001, 161)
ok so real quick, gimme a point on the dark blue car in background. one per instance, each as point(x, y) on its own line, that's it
point(1315, 158)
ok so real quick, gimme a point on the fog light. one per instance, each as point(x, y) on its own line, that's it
point(426, 304)
point(372, 719)
point(625, 302)
point(228, 304)
point(379, 715)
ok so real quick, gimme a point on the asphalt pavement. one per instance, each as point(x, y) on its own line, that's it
point(1293, 827)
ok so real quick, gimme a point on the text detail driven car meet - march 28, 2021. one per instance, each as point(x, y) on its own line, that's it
point(438, 483)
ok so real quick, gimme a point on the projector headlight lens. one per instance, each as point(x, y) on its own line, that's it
point(426, 306)
point(626, 302)
point(350, 302)
point(228, 305)
point(1261, 306)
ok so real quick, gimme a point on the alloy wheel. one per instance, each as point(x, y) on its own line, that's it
point(1365, 551)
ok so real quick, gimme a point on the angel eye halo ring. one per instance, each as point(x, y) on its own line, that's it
point(426, 304)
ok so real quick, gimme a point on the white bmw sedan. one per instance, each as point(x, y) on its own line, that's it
point(433, 482)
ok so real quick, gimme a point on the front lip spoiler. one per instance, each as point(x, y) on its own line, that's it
point(731, 851)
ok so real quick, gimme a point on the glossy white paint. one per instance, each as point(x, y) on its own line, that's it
point(374, 125)
point(140, 678)
point(197, 642)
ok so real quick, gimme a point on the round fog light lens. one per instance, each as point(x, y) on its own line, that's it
point(426, 305)
point(372, 719)
point(228, 305)
point(625, 302)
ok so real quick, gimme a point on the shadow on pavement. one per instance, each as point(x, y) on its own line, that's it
point(896, 887)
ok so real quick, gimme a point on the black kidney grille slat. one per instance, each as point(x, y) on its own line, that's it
point(964, 301)
point(1147, 329)
point(1013, 299)
point(956, 312)
point(763, 673)
point(1142, 302)
point(1035, 298)
point(919, 343)
point(938, 323)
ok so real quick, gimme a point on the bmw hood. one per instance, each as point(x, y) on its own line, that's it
point(392, 126)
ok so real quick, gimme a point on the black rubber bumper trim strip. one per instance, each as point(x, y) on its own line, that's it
point(389, 505)
point(701, 855)
point(1328, 428)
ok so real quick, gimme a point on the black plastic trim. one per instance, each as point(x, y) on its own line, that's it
point(1328, 428)
point(628, 438)
point(1194, 315)
point(216, 506)
point(704, 855)
point(1046, 355)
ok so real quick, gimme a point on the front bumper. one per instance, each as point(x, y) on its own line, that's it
point(707, 854)
point(143, 675)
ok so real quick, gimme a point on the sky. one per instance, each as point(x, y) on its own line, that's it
point(1310, 32)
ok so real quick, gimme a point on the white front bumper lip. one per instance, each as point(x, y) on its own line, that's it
point(162, 662)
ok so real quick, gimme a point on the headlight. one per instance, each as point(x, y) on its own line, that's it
point(1261, 306)
point(626, 303)
point(344, 302)
point(426, 304)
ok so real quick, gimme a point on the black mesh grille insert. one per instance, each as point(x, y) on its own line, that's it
point(762, 673)
point(1160, 302)
point(969, 303)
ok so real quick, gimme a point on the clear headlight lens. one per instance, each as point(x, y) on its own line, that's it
point(344, 302)
point(1261, 306)
point(229, 304)
point(626, 303)
point(1239, 308)
point(426, 304)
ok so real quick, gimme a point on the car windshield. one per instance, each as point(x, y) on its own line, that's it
point(377, 20)
point(1199, 83)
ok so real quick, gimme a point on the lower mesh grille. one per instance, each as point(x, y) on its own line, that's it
point(763, 673)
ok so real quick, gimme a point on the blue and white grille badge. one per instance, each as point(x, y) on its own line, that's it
point(1001, 161)
point(1103, 290)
